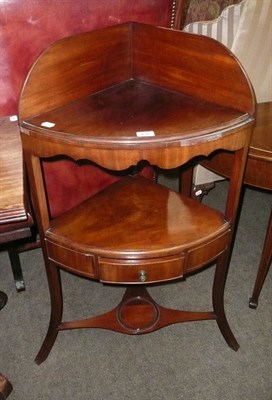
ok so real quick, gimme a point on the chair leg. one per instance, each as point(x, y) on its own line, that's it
point(16, 268)
point(3, 299)
point(54, 282)
point(5, 387)
point(218, 301)
point(185, 180)
point(263, 267)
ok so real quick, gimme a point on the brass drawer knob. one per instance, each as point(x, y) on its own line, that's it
point(142, 275)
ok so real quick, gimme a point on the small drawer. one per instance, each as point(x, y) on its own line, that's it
point(71, 260)
point(206, 253)
point(140, 271)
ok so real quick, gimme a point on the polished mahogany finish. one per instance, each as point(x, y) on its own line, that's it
point(104, 96)
point(166, 234)
point(258, 174)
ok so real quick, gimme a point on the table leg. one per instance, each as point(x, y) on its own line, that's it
point(263, 267)
point(16, 269)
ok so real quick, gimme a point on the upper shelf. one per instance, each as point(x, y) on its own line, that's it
point(135, 87)
point(134, 112)
point(78, 66)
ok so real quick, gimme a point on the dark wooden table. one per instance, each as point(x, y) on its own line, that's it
point(13, 214)
point(15, 222)
point(15, 218)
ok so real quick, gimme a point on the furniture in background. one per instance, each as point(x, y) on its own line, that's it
point(36, 22)
point(3, 299)
point(238, 28)
point(125, 104)
point(16, 219)
point(264, 266)
point(5, 385)
point(205, 10)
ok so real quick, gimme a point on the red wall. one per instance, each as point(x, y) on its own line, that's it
point(29, 26)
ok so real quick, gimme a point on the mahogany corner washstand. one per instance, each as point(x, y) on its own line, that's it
point(119, 96)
